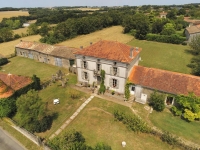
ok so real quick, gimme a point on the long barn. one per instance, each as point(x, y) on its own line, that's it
point(61, 56)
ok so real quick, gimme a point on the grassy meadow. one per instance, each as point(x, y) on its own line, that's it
point(28, 67)
point(20, 31)
point(163, 56)
point(8, 14)
point(114, 33)
point(96, 123)
point(8, 48)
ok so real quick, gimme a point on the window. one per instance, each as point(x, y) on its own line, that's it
point(84, 64)
point(98, 67)
point(114, 70)
point(132, 88)
point(169, 100)
point(20, 53)
point(85, 75)
point(114, 83)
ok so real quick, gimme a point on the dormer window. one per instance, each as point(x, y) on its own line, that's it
point(114, 70)
point(84, 64)
point(98, 67)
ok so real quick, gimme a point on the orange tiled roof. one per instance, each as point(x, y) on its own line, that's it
point(111, 50)
point(61, 51)
point(14, 82)
point(5, 91)
point(166, 81)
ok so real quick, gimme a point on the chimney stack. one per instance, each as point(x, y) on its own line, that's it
point(131, 52)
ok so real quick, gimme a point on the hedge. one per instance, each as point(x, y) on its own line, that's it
point(174, 38)
point(3, 61)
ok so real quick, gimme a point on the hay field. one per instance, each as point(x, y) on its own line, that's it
point(20, 31)
point(8, 48)
point(8, 14)
point(114, 33)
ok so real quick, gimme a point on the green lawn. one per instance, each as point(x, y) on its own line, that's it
point(163, 56)
point(166, 121)
point(97, 124)
point(28, 67)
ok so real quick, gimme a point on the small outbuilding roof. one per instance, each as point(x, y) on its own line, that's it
point(193, 29)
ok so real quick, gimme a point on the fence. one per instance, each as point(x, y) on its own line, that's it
point(35, 139)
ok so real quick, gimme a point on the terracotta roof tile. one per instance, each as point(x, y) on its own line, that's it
point(15, 82)
point(61, 51)
point(166, 81)
point(111, 50)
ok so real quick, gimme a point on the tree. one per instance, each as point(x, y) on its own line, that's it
point(6, 34)
point(181, 11)
point(32, 29)
point(102, 146)
point(7, 107)
point(44, 30)
point(168, 29)
point(157, 101)
point(31, 111)
point(72, 140)
point(195, 44)
point(172, 14)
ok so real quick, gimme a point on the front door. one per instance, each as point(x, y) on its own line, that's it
point(98, 80)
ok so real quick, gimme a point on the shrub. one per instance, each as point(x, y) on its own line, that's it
point(3, 61)
point(132, 122)
point(176, 111)
point(74, 95)
point(167, 137)
point(157, 101)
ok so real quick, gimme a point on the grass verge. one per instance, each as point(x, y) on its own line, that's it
point(20, 137)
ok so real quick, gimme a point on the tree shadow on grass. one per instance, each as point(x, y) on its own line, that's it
point(191, 52)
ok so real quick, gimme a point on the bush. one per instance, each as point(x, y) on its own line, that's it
point(157, 101)
point(176, 111)
point(133, 122)
point(3, 61)
point(167, 137)
point(174, 38)
point(74, 95)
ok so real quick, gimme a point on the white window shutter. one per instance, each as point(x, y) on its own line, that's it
point(86, 65)
point(117, 71)
point(88, 75)
point(111, 70)
point(111, 82)
point(81, 64)
point(82, 75)
point(117, 86)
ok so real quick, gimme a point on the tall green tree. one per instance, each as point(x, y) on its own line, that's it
point(32, 29)
point(157, 101)
point(168, 29)
point(30, 111)
point(44, 30)
point(6, 34)
point(195, 44)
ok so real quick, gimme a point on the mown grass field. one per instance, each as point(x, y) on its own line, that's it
point(97, 124)
point(8, 14)
point(114, 33)
point(20, 31)
point(28, 67)
point(166, 121)
point(8, 48)
point(164, 56)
